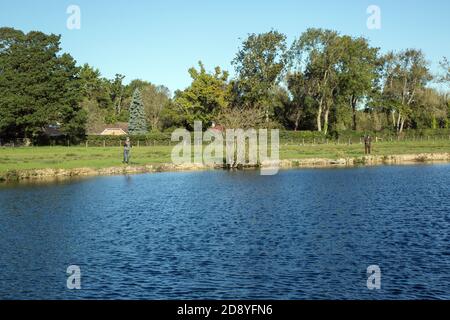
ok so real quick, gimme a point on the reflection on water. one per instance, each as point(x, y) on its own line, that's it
point(306, 234)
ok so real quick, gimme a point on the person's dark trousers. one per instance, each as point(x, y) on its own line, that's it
point(126, 156)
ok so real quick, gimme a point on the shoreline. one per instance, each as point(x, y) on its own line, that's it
point(371, 160)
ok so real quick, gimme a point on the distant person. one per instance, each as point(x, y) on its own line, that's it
point(368, 144)
point(126, 150)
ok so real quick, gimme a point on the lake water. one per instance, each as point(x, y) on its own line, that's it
point(302, 234)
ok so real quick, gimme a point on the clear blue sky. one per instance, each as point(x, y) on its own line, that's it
point(159, 40)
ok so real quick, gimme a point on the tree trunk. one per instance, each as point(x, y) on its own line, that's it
point(325, 121)
point(119, 106)
point(398, 122)
point(154, 123)
point(297, 119)
point(354, 100)
point(401, 126)
point(319, 116)
point(393, 120)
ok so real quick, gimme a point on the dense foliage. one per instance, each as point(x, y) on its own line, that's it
point(39, 86)
point(323, 82)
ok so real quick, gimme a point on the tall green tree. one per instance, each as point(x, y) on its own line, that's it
point(155, 99)
point(117, 92)
point(431, 110)
point(137, 123)
point(39, 86)
point(358, 72)
point(300, 109)
point(318, 56)
point(96, 98)
point(260, 64)
point(207, 95)
point(406, 74)
point(94, 87)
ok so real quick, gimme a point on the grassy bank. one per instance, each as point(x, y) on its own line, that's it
point(27, 158)
point(77, 157)
point(333, 151)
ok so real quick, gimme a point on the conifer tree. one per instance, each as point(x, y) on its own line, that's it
point(137, 123)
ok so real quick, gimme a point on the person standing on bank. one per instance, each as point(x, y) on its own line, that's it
point(367, 144)
point(126, 150)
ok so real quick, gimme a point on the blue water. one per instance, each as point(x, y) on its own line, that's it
point(302, 234)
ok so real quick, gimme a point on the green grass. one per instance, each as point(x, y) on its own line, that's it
point(333, 151)
point(98, 157)
point(77, 157)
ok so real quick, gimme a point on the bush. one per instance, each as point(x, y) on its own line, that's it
point(388, 135)
point(153, 138)
point(293, 137)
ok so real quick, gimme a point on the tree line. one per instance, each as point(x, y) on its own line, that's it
point(323, 81)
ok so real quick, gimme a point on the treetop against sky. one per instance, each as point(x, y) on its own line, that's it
point(159, 40)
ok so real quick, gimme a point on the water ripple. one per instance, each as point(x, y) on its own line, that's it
point(306, 234)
